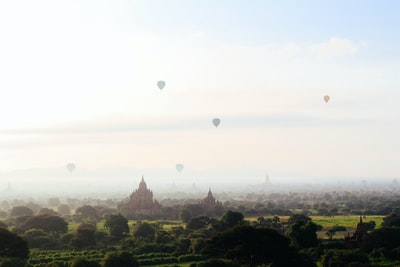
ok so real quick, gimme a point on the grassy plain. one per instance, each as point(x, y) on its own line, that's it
point(348, 221)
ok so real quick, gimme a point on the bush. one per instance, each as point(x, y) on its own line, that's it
point(120, 259)
point(11, 262)
point(80, 262)
point(190, 257)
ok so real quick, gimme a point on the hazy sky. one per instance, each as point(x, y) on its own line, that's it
point(78, 83)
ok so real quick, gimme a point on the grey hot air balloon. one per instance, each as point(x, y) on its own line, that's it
point(179, 167)
point(71, 167)
point(216, 122)
point(326, 98)
point(161, 84)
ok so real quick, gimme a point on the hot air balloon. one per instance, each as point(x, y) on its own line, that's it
point(216, 122)
point(326, 98)
point(71, 167)
point(161, 84)
point(179, 167)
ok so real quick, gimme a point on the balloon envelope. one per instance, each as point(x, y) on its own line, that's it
point(326, 98)
point(179, 167)
point(161, 84)
point(71, 167)
point(216, 122)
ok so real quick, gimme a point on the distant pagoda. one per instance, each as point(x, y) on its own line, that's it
point(267, 181)
point(210, 201)
point(140, 202)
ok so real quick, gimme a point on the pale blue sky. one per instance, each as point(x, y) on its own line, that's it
point(78, 82)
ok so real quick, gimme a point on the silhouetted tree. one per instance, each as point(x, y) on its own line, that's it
point(3, 225)
point(37, 238)
point(48, 223)
point(12, 262)
point(80, 262)
point(20, 211)
point(195, 209)
point(217, 263)
point(53, 202)
point(120, 259)
point(344, 258)
point(163, 237)
point(198, 223)
point(144, 230)
point(64, 209)
point(48, 211)
point(391, 220)
point(387, 238)
point(84, 236)
point(12, 245)
point(232, 218)
point(185, 215)
point(86, 212)
point(249, 245)
point(303, 234)
point(117, 225)
point(298, 217)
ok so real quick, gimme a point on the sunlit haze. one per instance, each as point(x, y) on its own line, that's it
point(79, 85)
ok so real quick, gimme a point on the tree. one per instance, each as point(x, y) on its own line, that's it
point(3, 225)
point(12, 245)
point(387, 238)
point(64, 209)
point(185, 215)
point(86, 212)
point(145, 231)
point(198, 223)
point(391, 220)
point(37, 238)
point(33, 206)
point(12, 262)
point(303, 234)
point(195, 209)
point(343, 258)
point(330, 233)
point(20, 211)
point(298, 217)
point(217, 263)
point(163, 237)
point(47, 211)
point(117, 225)
point(253, 246)
point(80, 262)
point(232, 218)
point(84, 236)
point(120, 259)
point(48, 223)
point(53, 202)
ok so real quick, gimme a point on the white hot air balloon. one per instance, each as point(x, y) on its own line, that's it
point(161, 84)
point(71, 167)
point(216, 122)
point(179, 167)
point(326, 98)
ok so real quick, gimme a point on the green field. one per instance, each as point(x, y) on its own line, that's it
point(349, 221)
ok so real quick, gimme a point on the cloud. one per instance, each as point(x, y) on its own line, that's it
point(335, 47)
point(230, 122)
point(290, 50)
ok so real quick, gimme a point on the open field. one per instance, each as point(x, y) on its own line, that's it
point(348, 221)
point(328, 222)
